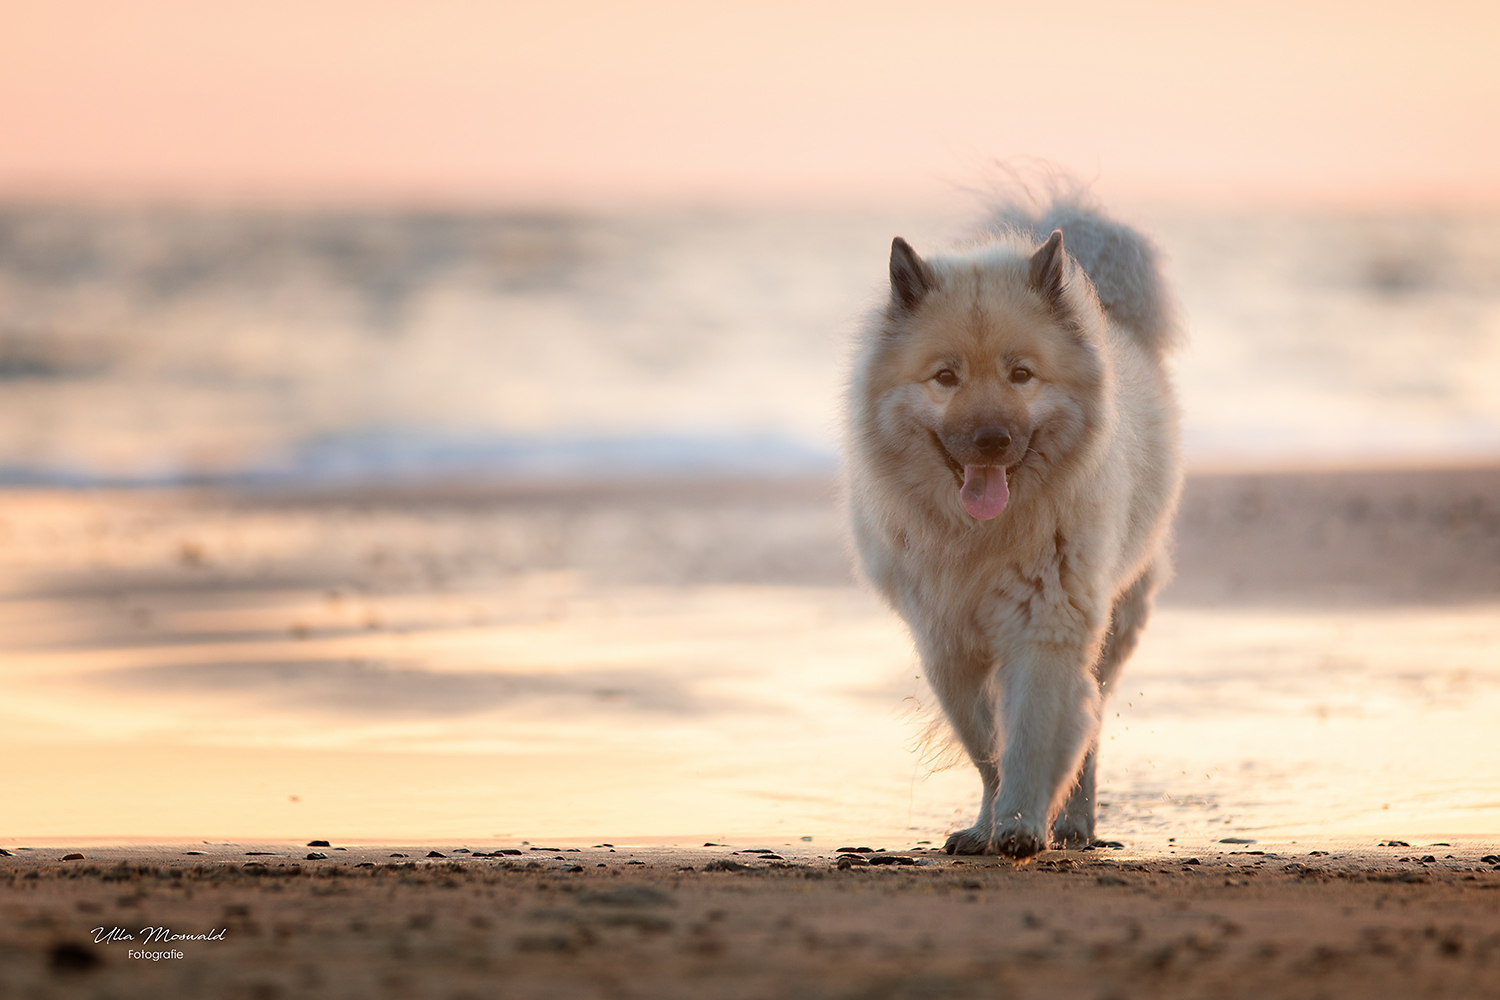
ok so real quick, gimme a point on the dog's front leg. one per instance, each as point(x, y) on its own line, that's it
point(1074, 824)
point(962, 681)
point(1049, 704)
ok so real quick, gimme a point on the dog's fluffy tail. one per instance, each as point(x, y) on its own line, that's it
point(1124, 266)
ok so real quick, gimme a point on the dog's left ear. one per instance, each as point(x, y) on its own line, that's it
point(1047, 269)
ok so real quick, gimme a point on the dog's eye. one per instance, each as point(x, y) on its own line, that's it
point(946, 377)
point(1019, 375)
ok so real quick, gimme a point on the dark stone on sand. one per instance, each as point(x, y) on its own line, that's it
point(317, 843)
point(261, 854)
point(398, 855)
point(72, 857)
point(1428, 858)
point(1410, 877)
point(1236, 840)
point(706, 844)
point(66, 956)
point(506, 850)
point(195, 852)
point(1192, 861)
point(891, 859)
point(547, 850)
point(768, 856)
point(855, 850)
point(574, 868)
point(1491, 859)
point(5, 854)
point(315, 856)
point(435, 854)
point(1394, 843)
point(852, 861)
point(627, 895)
point(1107, 843)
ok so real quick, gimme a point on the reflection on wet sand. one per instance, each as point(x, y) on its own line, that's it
point(692, 659)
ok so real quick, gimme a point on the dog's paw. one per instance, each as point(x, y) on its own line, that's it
point(1071, 836)
point(1019, 843)
point(974, 840)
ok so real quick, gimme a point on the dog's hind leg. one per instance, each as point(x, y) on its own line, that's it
point(1074, 825)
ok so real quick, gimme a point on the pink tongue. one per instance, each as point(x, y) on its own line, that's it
point(984, 492)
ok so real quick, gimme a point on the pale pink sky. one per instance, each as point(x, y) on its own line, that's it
point(660, 100)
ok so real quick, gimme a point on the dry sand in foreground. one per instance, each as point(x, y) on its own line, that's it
point(710, 923)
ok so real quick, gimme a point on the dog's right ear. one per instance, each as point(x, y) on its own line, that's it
point(911, 276)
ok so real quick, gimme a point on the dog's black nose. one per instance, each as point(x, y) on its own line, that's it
point(992, 440)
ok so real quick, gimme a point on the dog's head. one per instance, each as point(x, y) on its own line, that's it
point(989, 366)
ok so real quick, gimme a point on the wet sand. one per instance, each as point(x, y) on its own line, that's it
point(712, 922)
point(130, 622)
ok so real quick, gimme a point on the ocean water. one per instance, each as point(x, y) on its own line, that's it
point(160, 346)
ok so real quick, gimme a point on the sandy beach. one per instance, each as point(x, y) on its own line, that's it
point(554, 921)
point(195, 676)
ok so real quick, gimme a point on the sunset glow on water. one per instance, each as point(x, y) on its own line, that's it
point(183, 669)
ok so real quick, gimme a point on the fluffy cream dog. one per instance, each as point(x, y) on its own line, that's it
point(1012, 473)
